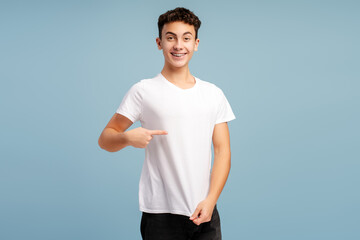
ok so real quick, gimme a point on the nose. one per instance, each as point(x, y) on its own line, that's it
point(178, 45)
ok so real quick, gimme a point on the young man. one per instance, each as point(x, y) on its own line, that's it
point(180, 116)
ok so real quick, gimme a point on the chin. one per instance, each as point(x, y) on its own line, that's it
point(178, 65)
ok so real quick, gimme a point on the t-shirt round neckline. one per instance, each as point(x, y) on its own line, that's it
point(179, 88)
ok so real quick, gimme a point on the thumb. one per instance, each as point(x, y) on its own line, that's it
point(195, 214)
point(158, 132)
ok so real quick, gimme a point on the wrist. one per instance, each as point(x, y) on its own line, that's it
point(212, 199)
point(124, 138)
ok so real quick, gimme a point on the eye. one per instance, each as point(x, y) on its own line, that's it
point(170, 38)
point(187, 39)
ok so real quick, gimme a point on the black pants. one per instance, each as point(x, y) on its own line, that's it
point(167, 226)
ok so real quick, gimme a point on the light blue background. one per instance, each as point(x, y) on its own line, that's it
point(290, 70)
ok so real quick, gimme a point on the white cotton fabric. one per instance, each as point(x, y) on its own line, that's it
point(176, 172)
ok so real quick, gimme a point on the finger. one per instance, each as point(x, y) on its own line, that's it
point(195, 214)
point(199, 220)
point(202, 218)
point(158, 132)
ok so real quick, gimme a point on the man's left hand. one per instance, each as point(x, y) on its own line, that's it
point(203, 212)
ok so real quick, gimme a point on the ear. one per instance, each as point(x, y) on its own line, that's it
point(196, 44)
point(158, 42)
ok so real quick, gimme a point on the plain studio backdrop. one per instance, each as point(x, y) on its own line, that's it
point(290, 70)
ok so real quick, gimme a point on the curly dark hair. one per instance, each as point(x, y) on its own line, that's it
point(179, 14)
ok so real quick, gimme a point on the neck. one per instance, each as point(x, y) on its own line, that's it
point(177, 75)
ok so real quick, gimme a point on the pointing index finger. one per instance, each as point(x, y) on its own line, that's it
point(158, 132)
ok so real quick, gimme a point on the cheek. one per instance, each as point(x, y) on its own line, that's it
point(166, 46)
point(191, 48)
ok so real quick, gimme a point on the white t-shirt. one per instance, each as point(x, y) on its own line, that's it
point(176, 172)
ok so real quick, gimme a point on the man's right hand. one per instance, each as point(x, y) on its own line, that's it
point(140, 137)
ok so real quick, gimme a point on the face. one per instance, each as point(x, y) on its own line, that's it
point(178, 44)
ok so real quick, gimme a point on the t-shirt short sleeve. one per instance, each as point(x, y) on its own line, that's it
point(224, 112)
point(131, 104)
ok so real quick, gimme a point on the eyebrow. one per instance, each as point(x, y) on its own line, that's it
point(175, 34)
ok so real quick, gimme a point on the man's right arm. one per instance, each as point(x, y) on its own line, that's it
point(115, 137)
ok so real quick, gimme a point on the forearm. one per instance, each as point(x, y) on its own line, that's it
point(112, 140)
point(219, 174)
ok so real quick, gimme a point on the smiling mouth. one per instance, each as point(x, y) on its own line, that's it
point(178, 54)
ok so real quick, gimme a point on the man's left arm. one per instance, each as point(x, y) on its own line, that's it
point(219, 174)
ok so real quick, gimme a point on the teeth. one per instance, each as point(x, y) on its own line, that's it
point(178, 55)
